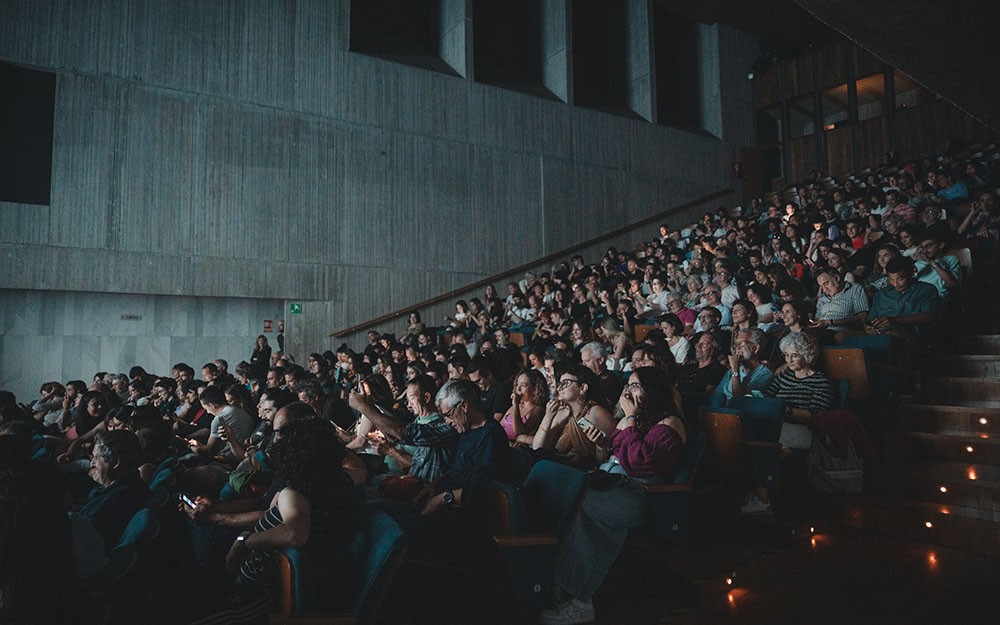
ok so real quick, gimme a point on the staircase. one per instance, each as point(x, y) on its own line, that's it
point(940, 477)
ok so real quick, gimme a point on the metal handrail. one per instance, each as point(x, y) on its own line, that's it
point(545, 260)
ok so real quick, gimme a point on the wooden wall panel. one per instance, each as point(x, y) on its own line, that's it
point(767, 87)
point(798, 76)
point(831, 65)
point(912, 136)
point(873, 141)
point(801, 157)
point(838, 150)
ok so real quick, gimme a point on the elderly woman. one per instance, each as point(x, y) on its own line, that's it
point(804, 388)
point(645, 446)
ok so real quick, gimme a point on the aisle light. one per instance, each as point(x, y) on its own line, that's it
point(944, 489)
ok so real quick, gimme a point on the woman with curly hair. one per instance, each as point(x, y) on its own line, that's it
point(315, 510)
point(528, 399)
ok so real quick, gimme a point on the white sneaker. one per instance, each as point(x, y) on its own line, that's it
point(569, 612)
point(753, 505)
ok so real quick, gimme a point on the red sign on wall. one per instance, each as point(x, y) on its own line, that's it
point(267, 325)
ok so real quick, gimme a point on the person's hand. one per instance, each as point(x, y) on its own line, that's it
point(226, 432)
point(201, 509)
point(433, 504)
point(357, 400)
point(630, 405)
point(734, 362)
point(421, 497)
point(594, 435)
point(818, 324)
point(65, 402)
point(237, 555)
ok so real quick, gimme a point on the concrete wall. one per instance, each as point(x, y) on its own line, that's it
point(237, 150)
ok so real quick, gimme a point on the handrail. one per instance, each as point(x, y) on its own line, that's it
point(548, 258)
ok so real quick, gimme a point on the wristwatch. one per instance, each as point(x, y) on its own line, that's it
point(448, 497)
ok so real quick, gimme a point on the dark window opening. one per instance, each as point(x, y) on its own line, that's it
point(600, 56)
point(405, 31)
point(507, 44)
point(678, 70)
point(26, 122)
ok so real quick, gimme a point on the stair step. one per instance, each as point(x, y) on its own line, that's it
point(977, 344)
point(930, 522)
point(973, 499)
point(985, 475)
point(946, 446)
point(939, 418)
point(970, 365)
point(969, 392)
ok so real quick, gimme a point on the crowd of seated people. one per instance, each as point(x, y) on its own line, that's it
point(600, 366)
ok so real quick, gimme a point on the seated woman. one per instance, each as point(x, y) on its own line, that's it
point(521, 420)
point(376, 389)
point(646, 446)
point(567, 417)
point(316, 510)
point(673, 328)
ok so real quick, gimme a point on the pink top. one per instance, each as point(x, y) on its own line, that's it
point(508, 424)
point(655, 454)
point(687, 316)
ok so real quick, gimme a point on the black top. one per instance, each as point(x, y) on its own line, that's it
point(110, 508)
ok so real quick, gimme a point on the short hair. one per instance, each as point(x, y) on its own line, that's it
point(756, 335)
point(310, 388)
point(900, 264)
point(828, 271)
point(280, 397)
point(244, 369)
point(213, 395)
point(222, 364)
point(279, 371)
point(803, 343)
point(481, 365)
point(596, 348)
point(459, 360)
point(716, 346)
point(425, 385)
point(712, 310)
point(456, 391)
point(211, 366)
point(119, 446)
point(136, 371)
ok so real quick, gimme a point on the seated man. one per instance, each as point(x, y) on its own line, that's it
point(841, 305)
point(906, 309)
point(239, 424)
point(746, 372)
point(932, 266)
point(905, 305)
point(121, 493)
point(594, 357)
point(697, 379)
point(426, 445)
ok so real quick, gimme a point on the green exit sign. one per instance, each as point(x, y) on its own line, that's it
point(295, 308)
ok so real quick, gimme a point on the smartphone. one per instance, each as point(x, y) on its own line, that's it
point(756, 394)
point(187, 500)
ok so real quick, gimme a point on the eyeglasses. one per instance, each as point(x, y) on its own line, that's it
point(564, 383)
point(447, 413)
point(632, 386)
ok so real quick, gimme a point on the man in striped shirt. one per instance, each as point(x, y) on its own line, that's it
point(840, 306)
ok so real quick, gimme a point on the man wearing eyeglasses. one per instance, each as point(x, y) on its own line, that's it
point(480, 455)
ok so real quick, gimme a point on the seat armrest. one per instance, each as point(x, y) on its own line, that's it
point(526, 540)
point(666, 488)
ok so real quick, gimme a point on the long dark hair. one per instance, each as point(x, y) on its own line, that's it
point(659, 402)
point(309, 457)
